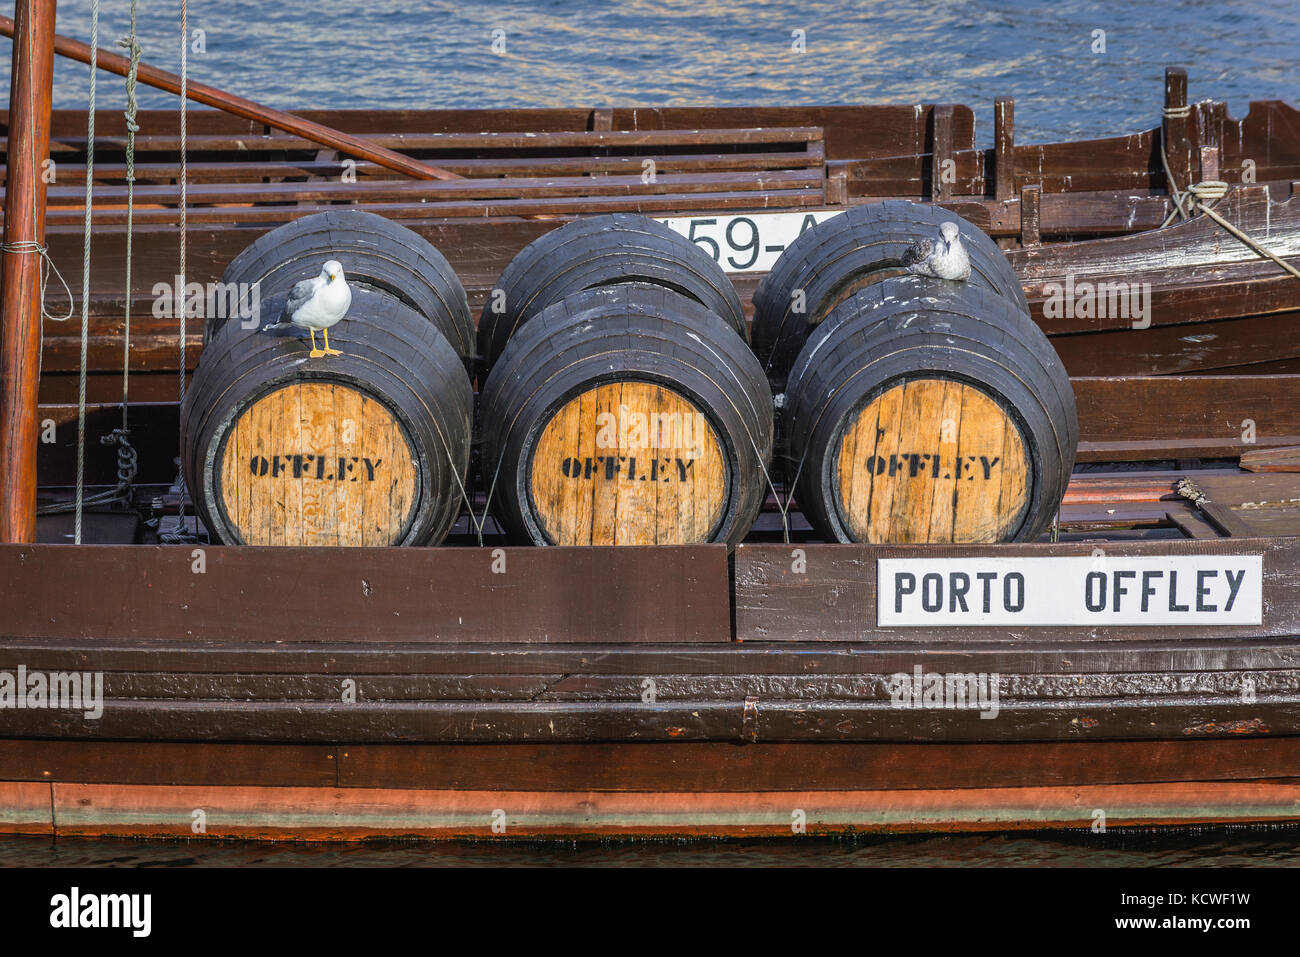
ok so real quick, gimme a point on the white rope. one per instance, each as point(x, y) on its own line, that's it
point(1201, 197)
point(85, 274)
point(132, 44)
point(180, 293)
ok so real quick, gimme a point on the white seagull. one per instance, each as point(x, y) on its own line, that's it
point(317, 304)
point(945, 259)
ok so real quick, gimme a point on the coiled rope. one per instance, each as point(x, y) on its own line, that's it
point(1201, 197)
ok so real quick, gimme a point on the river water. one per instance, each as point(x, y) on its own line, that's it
point(1076, 68)
point(1239, 846)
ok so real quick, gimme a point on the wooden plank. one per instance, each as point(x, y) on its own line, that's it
point(949, 651)
point(1004, 148)
point(351, 814)
point(589, 687)
point(26, 808)
point(629, 201)
point(868, 766)
point(854, 130)
point(168, 763)
point(636, 766)
point(233, 171)
point(543, 595)
point(942, 163)
point(379, 190)
point(1185, 416)
point(834, 597)
point(1286, 459)
point(1030, 204)
point(318, 722)
point(201, 143)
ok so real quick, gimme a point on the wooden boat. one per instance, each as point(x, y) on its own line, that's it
point(674, 690)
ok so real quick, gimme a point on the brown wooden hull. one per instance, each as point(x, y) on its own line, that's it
point(343, 814)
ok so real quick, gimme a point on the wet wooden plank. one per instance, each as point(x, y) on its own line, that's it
point(444, 594)
point(359, 813)
point(26, 808)
point(355, 658)
point(737, 720)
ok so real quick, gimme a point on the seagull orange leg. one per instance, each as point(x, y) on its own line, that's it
point(328, 350)
point(315, 353)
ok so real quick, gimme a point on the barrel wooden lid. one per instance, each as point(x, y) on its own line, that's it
point(628, 463)
point(932, 460)
point(317, 463)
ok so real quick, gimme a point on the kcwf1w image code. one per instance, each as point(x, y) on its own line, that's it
point(1071, 591)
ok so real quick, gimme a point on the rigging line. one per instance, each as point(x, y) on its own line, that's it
point(85, 275)
point(180, 294)
point(132, 45)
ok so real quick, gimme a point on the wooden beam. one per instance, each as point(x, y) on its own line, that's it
point(1004, 148)
point(229, 103)
point(20, 272)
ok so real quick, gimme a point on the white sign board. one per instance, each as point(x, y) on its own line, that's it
point(1069, 591)
point(749, 243)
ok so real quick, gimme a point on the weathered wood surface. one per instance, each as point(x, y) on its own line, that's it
point(1244, 506)
point(21, 270)
point(1142, 417)
point(320, 813)
point(834, 599)
point(867, 130)
point(332, 428)
point(1285, 459)
point(587, 488)
point(250, 593)
point(945, 650)
point(632, 766)
point(739, 719)
point(973, 487)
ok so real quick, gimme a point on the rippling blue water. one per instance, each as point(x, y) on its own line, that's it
point(385, 53)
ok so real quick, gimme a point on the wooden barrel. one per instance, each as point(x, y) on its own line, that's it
point(370, 447)
point(927, 411)
point(375, 253)
point(626, 415)
point(597, 251)
point(840, 255)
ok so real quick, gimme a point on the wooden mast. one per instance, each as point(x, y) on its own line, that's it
point(20, 271)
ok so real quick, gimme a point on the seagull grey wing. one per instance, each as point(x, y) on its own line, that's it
point(918, 252)
point(298, 297)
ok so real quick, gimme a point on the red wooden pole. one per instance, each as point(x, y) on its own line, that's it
point(20, 270)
